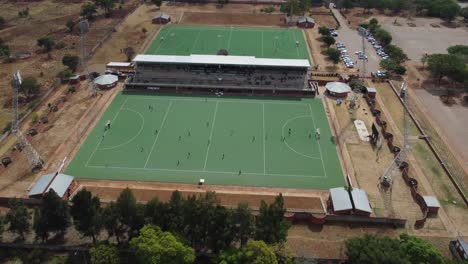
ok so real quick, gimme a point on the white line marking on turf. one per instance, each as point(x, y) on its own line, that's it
point(163, 40)
point(291, 148)
point(160, 130)
point(97, 145)
point(262, 45)
point(211, 135)
point(229, 40)
point(318, 141)
point(232, 173)
point(195, 42)
point(264, 135)
point(133, 138)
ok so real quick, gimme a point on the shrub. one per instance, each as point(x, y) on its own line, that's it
point(400, 69)
point(324, 31)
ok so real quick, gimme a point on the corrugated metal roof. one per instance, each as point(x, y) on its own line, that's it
point(162, 15)
point(222, 60)
point(119, 64)
point(41, 184)
point(338, 87)
point(60, 184)
point(305, 19)
point(431, 201)
point(371, 89)
point(361, 201)
point(340, 199)
point(106, 79)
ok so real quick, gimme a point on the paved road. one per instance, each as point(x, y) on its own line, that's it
point(353, 42)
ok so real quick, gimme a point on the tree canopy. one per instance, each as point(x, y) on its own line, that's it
point(18, 218)
point(254, 252)
point(29, 87)
point(47, 42)
point(88, 10)
point(446, 65)
point(328, 40)
point(87, 214)
point(370, 249)
point(54, 215)
point(271, 226)
point(104, 253)
point(396, 53)
point(333, 54)
point(71, 61)
point(383, 36)
point(154, 246)
point(106, 5)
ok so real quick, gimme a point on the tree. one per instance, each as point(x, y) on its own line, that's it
point(419, 251)
point(18, 218)
point(400, 69)
point(221, 2)
point(112, 223)
point(396, 53)
point(449, 10)
point(29, 87)
point(347, 4)
point(107, 5)
point(388, 64)
point(304, 6)
point(398, 5)
point(70, 25)
point(157, 3)
point(3, 222)
point(464, 13)
point(383, 36)
point(324, 31)
point(104, 253)
point(424, 59)
point(243, 223)
point(54, 215)
point(271, 226)
point(254, 252)
point(47, 42)
point(370, 249)
point(127, 208)
point(291, 7)
point(333, 54)
point(373, 25)
point(154, 246)
point(4, 48)
point(283, 253)
point(328, 40)
point(40, 226)
point(445, 65)
point(88, 10)
point(87, 215)
point(71, 61)
point(129, 52)
point(461, 50)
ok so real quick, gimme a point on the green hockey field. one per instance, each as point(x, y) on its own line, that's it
point(224, 140)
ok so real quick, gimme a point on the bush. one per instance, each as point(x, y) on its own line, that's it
point(383, 36)
point(269, 9)
point(34, 118)
point(65, 74)
point(329, 40)
point(364, 25)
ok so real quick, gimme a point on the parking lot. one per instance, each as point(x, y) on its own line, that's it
point(424, 38)
point(353, 43)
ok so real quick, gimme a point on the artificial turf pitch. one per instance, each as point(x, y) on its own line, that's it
point(241, 41)
point(224, 140)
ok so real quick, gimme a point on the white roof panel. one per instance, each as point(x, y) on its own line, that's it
point(41, 184)
point(431, 201)
point(361, 202)
point(340, 199)
point(119, 64)
point(61, 184)
point(106, 79)
point(223, 60)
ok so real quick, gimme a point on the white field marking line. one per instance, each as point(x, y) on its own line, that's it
point(318, 141)
point(223, 101)
point(97, 145)
point(216, 172)
point(157, 136)
point(133, 138)
point(262, 45)
point(211, 135)
point(295, 41)
point(264, 152)
point(195, 42)
point(229, 40)
point(161, 42)
point(291, 148)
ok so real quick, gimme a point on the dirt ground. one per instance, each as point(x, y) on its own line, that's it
point(198, 18)
point(46, 18)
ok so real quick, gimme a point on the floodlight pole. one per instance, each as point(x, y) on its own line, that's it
point(84, 27)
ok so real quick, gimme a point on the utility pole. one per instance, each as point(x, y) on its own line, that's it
point(84, 27)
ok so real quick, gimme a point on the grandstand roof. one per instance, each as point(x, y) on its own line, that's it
point(340, 199)
point(223, 60)
point(118, 64)
point(361, 202)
